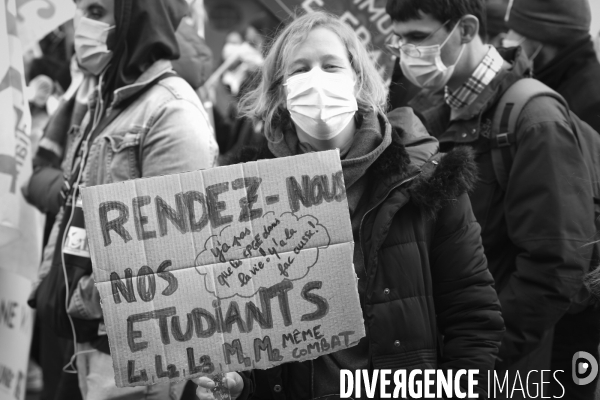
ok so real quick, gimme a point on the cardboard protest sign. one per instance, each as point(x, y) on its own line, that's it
point(367, 17)
point(228, 269)
point(16, 328)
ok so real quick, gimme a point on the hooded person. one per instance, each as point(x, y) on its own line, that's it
point(193, 65)
point(141, 120)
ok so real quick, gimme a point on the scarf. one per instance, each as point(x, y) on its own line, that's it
point(372, 137)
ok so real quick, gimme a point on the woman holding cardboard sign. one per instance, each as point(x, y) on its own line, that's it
point(427, 297)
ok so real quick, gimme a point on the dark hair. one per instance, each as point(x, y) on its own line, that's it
point(442, 10)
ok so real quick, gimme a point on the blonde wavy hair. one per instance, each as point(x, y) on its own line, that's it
point(267, 102)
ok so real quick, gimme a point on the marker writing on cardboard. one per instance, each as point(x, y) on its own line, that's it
point(283, 264)
point(202, 323)
point(203, 364)
point(146, 283)
point(314, 190)
point(313, 341)
point(286, 246)
point(193, 211)
point(233, 352)
point(204, 303)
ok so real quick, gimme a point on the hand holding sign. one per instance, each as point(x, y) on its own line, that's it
point(208, 389)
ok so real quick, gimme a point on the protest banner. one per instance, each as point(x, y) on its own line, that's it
point(16, 327)
point(367, 17)
point(21, 225)
point(37, 18)
point(228, 269)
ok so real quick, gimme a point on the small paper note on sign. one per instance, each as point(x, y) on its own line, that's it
point(228, 269)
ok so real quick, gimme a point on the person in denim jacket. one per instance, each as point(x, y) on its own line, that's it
point(161, 128)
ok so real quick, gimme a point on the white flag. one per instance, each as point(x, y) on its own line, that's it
point(21, 225)
point(37, 18)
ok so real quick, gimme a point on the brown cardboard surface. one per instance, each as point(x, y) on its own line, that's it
point(228, 269)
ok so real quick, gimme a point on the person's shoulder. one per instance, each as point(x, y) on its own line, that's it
point(444, 179)
point(406, 122)
point(543, 110)
point(176, 88)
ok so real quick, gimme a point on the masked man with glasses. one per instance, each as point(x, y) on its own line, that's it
point(534, 229)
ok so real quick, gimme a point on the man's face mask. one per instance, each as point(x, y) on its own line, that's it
point(322, 104)
point(514, 39)
point(423, 65)
point(90, 44)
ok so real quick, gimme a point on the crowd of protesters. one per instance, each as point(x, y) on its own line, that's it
point(472, 179)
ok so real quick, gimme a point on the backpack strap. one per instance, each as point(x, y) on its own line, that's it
point(503, 136)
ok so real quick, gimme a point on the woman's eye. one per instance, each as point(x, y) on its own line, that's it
point(95, 12)
point(331, 67)
point(299, 71)
point(415, 39)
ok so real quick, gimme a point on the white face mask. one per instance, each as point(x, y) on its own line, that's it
point(423, 65)
point(321, 104)
point(508, 43)
point(90, 44)
point(514, 39)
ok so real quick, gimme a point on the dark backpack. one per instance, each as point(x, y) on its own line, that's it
point(503, 138)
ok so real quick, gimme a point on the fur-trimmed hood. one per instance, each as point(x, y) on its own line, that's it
point(434, 179)
point(439, 180)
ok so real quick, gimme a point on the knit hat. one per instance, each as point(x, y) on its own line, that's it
point(496, 11)
point(559, 22)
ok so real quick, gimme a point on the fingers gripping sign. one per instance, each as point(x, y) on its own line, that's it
point(227, 386)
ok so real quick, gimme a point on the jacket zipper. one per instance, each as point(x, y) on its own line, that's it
point(360, 238)
point(360, 235)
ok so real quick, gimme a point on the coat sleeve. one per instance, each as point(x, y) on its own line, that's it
point(550, 217)
point(466, 303)
point(45, 184)
point(43, 189)
point(591, 115)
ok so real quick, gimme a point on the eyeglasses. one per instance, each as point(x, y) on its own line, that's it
point(410, 49)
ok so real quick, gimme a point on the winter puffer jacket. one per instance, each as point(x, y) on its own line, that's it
point(430, 300)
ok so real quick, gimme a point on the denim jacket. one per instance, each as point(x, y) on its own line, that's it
point(164, 131)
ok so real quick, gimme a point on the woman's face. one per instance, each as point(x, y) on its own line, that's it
point(99, 10)
point(321, 49)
